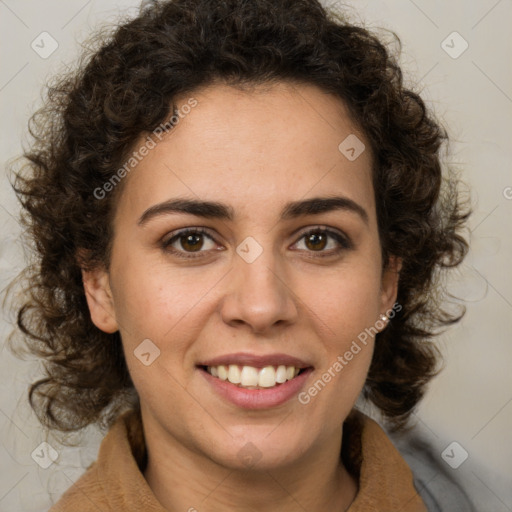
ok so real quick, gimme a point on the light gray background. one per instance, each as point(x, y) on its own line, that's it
point(471, 401)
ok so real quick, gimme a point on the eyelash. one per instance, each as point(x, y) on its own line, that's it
point(343, 241)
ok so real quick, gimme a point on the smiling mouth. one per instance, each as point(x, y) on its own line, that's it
point(251, 377)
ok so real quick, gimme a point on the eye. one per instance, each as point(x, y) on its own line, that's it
point(186, 241)
point(319, 239)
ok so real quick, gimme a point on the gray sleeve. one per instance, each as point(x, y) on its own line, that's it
point(438, 489)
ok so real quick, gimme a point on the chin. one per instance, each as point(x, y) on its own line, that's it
point(262, 450)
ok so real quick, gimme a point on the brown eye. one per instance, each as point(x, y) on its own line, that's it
point(189, 241)
point(316, 241)
point(325, 242)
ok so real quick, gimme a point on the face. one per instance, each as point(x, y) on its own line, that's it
point(276, 279)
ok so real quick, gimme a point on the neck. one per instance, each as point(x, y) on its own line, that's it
point(182, 479)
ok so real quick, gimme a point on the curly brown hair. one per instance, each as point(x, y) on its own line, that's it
point(125, 88)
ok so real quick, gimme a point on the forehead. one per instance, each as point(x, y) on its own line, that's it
point(275, 144)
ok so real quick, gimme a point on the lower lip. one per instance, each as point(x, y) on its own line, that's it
point(257, 398)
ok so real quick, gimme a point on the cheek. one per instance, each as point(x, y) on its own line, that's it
point(159, 303)
point(346, 302)
point(347, 310)
point(150, 296)
point(167, 309)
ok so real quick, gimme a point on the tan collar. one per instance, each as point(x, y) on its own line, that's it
point(115, 482)
point(385, 479)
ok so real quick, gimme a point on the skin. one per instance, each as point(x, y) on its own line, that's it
point(255, 151)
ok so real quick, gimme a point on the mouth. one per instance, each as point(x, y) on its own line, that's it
point(251, 377)
point(256, 382)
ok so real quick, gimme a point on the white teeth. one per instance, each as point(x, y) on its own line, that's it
point(280, 374)
point(251, 377)
point(267, 378)
point(221, 370)
point(234, 374)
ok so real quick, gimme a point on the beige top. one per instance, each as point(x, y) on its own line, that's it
point(115, 482)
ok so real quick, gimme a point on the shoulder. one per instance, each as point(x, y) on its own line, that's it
point(85, 495)
point(384, 478)
point(114, 478)
point(440, 490)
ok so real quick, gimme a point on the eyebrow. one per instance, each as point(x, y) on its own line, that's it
point(216, 210)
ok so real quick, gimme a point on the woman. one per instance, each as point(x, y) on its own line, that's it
point(241, 223)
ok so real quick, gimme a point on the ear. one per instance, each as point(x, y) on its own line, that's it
point(99, 299)
point(389, 283)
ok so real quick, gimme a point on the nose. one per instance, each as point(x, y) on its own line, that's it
point(259, 295)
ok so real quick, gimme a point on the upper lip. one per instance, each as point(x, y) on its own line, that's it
point(258, 361)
